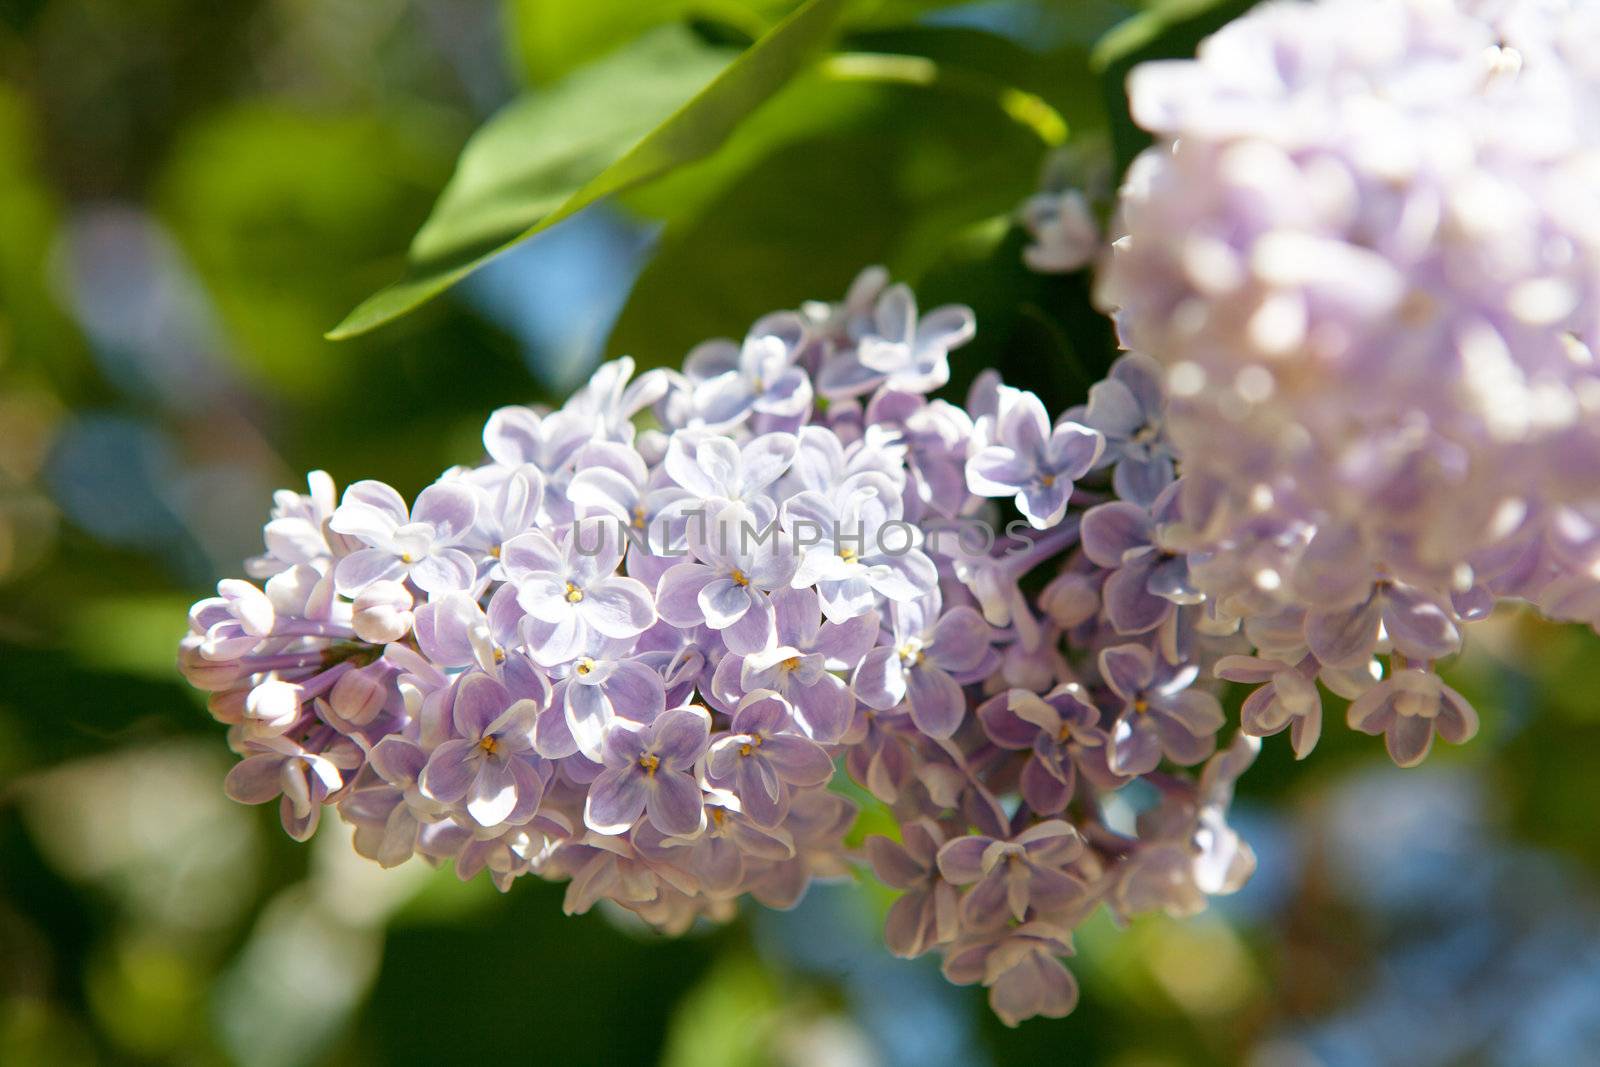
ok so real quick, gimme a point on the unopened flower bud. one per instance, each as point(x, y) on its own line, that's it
point(273, 706)
point(357, 697)
point(383, 613)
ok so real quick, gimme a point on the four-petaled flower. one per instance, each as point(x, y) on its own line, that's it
point(417, 543)
point(762, 757)
point(799, 664)
point(734, 382)
point(571, 590)
point(1160, 714)
point(931, 655)
point(1011, 879)
point(1019, 455)
point(649, 771)
point(1408, 708)
point(490, 763)
point(856, 546)
point(740, 560)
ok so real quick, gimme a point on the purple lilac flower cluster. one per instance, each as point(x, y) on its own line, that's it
point(641, 645)
point(629, 649)
point(1365, 248)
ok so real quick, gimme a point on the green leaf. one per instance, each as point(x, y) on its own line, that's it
point(1168, 29)
point(836, 174)
point(612, 126)
point(550, 38)
point(1057, 76)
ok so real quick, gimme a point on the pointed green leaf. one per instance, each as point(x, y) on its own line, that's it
point(611, 126)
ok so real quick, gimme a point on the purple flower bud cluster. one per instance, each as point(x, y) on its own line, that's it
point(1364, 247)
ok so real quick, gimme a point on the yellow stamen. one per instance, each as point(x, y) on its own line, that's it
point(791, 664)
point(584, 666)
point(1141, 705)
point(847, 554)
point(574, 594)
point(739, 577)
point(405, 557)
point(495, 552)
point(650, 763)
point(489, 745)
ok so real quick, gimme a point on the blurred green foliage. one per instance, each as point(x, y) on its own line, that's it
point(191, 192)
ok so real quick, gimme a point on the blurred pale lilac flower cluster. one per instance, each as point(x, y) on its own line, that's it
point(641, 646)
point(1366, 246)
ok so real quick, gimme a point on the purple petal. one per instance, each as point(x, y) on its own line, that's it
point(937, 703)
point(681, 735)
point(961, 860)
point(1142, 481)
point(675, 804)
point(1037, 985)
point(636, 691)
point(797, 761)
point(493, 793)
point(907, 929)
point(380, 498)
point(678, 594)
point(1457, 721)
point(532, 553)
point(445, 571)
point(1073, 449)
point(1113, 409)
point(451, 508)
point(1004, 726)
point(616, 800)
point(824, 708)
point(1135, 746)
point(255, 780)
point(363, 567)
point(998, 471)
point(1344, 637)
point(893, 865)
point(1418, 625)
point(798, 616)
point(397, 761)
point(1198, 711)
point(1408, 739)
point(479, 701)
point(961, 639)
point(1128, 602)
point(1043, 787)
point(450, 771)
point(880, 681)
point(759, 790)
point(723, 602)
point(1044, 505)
point(752, 631)
point(1127, 669)
point(844, 643)
point(905, 576)
point(765, 459)
point(1111, 531)
point(618, 607)
point(1180, 745)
